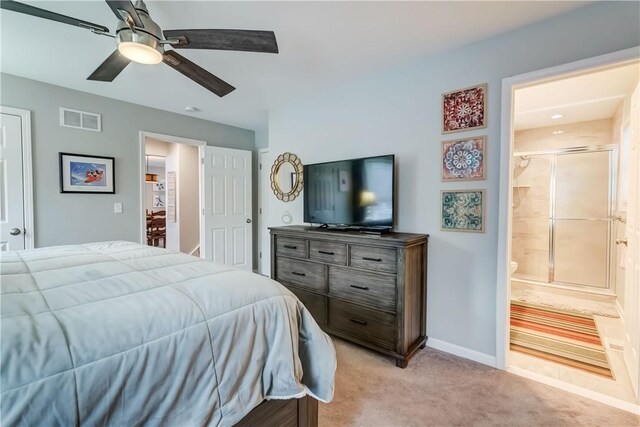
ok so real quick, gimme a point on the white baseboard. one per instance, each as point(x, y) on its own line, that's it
point(580, 391)
point(467, 353)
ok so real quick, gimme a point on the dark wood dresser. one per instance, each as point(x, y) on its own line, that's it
point(368, 289)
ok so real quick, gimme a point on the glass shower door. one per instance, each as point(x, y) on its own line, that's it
point(581, 219)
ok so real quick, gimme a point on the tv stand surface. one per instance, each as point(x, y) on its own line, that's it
point(353, 229)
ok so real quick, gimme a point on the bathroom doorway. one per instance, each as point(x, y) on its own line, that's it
point(571, 295)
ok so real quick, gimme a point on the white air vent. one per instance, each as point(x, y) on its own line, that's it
point(80, 120)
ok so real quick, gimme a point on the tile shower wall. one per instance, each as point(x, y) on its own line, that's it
point(531, 195)
point(531, 199)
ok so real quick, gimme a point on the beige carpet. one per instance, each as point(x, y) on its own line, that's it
point(439, 389)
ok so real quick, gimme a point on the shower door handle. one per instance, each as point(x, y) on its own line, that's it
point(622, 241)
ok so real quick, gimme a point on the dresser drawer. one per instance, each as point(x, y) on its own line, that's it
point(302, 273)
point(369, 288)
point(373, 258)
point(291, 247)
point(334, 253)
point(366, 324)
point(316, 304)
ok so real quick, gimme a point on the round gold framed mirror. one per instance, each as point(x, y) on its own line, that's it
point(286, 177)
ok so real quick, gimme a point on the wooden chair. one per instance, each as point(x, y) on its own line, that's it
point(157, 228)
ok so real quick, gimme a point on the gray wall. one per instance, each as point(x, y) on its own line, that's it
point(77, 218)
point(398, 111)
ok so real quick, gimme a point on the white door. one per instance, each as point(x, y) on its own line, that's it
point(632, 262)
point(227, 207)
point(12, 221)
point(264, 190)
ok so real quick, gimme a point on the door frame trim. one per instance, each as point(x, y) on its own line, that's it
point(262, 204)
point(142, 164)
point(509, 85)
point(27, 173)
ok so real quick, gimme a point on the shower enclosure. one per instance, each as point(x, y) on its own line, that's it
point(563, 204)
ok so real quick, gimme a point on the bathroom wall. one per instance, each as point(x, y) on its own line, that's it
point(581, 192)
point(597, 132)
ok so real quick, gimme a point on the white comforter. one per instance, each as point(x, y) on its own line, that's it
point(122, 334)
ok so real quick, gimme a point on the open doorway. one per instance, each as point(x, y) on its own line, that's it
point(171, 213)
point(208, 199)
point(155, 197)
point(569, 212)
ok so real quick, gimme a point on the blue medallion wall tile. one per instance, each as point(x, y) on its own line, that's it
point(463, 210)
point(464, 159)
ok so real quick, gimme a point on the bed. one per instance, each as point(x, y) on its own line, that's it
point(118, 333)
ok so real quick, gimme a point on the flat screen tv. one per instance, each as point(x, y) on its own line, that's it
point(356, 193)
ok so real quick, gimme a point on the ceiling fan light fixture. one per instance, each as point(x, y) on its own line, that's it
point(140, 52)
point(140, 45)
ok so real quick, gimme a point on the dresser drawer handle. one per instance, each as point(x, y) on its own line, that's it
point(366, 258)
point(326, 252)
point(364, 288)
point(298, 274)
point(359, 322)
point(290, 247)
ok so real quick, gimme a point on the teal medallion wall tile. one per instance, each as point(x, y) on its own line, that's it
point(463, 210)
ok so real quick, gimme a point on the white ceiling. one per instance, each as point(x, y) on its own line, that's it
point(322, 45)
point(586, 97)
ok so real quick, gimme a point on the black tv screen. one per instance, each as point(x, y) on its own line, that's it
point(357, 192)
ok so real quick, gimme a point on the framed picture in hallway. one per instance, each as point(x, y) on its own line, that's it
point(158, 201)
point(81, 173)
point(463, 210)
point(464, 109)
point(464, 159)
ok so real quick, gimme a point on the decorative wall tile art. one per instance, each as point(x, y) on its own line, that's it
point(464, 159)
point(464, 109)
point(463, 210)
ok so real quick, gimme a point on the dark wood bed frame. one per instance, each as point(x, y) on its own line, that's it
point(301, 412)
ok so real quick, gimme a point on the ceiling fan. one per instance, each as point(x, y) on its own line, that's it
point(140, 39)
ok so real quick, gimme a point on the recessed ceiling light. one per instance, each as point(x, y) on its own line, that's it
point(191, 109)
point(558, 132)
point(557, 116)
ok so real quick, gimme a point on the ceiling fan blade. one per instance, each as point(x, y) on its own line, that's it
point(244, 40)
point(110, 68)
point(197, 73)
point(45, 14)
point(126, 6)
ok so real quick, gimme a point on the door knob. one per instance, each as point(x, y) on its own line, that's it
point(248, 220)
point(15, 231)
point(622, 241)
